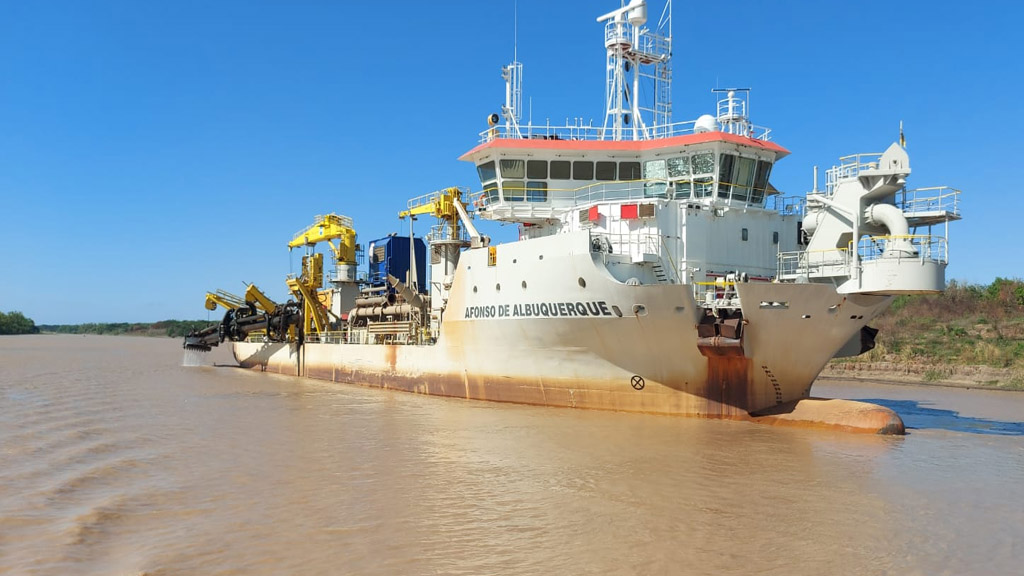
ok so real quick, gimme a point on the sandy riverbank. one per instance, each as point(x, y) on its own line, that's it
point(967, 376)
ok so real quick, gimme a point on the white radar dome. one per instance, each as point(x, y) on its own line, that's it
point(705, 123)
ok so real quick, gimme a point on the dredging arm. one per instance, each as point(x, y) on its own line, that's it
point(239, 322)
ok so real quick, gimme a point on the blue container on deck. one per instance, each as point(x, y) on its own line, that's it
point(390, 255)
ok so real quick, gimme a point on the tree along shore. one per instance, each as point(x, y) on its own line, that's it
point(16, 323)
point(169, 328)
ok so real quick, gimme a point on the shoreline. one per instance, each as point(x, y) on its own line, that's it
point(908, 374)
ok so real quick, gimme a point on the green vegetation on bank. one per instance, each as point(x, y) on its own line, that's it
point(171, 328)
point(967, 325)
point(16, 323)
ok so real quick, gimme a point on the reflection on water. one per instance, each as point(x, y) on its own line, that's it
point(115, 459)
point(919, 415)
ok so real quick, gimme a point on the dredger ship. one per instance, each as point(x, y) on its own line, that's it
point(657, 269)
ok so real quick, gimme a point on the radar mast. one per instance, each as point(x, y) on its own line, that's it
point(634, 52)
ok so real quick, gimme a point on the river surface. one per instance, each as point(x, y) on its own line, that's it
point(116, 459)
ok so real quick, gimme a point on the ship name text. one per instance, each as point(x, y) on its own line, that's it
point(542, 310)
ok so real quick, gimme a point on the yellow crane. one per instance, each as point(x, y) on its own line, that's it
point(325, 228)
point(446, 205)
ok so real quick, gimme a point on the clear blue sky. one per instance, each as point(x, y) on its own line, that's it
point(151, 151)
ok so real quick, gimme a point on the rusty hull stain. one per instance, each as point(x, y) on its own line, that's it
point(727, 393)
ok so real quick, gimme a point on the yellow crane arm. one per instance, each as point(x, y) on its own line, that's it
point(314, 314)
point(440, 204)
point(254, 294)
point(226, 300)
point(326, 228)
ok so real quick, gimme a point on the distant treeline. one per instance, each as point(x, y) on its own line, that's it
point(16, 323)
point(172, 328)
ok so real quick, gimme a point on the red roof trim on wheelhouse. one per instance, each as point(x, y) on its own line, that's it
point(624, 145)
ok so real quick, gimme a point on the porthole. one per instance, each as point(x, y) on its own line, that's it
point(497, 287)
point(474, 289)
point(582, 282)
point(617, 311)
point(639, 309)
point(524, 284)
point(541, 257)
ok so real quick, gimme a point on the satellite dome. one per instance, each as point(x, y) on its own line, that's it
point(705, 123)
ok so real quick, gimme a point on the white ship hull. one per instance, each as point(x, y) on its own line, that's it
point(646, 360)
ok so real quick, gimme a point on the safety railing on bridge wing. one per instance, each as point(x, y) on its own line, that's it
point(786, 205)
point(814, 263)
point(568, 197)
point(917, 247)
point(850, 167)
point(935, 199)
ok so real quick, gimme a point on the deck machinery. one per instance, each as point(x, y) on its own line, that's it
point(391, 303)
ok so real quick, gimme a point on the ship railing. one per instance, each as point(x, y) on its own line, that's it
point(546, 202)
point(814, 263)
point(915, 247)
point(639, 246)
point(717, 293)
point(322, 218)
point(442, 232)
point(422, 200)
point(931, 200)
point(850, 167)
point(786, 205)
point(579, 130)
point(332, 337)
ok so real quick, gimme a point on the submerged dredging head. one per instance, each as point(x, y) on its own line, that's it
point(203, 340)
point(196, 346)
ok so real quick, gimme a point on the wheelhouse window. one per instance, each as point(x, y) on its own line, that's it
point(629, 171)
point(536, 191)
point(605, 171)
point(703, 166)
point(678, 167)
point(679, 174)
point(764, 169)
point(491, 193)
point(655, 176)
point(743, 178)
point(513, 190)
point(725, 164)
point(582, 170)
point(486, 171)
point(513, 169)
point(561, 170)
point(537, 169)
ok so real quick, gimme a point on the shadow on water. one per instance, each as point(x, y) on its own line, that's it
point(917, 416)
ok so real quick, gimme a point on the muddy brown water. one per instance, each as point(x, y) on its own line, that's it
point(116, 459)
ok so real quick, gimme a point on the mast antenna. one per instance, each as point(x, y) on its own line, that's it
point(512, 111)
point(636, 52)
